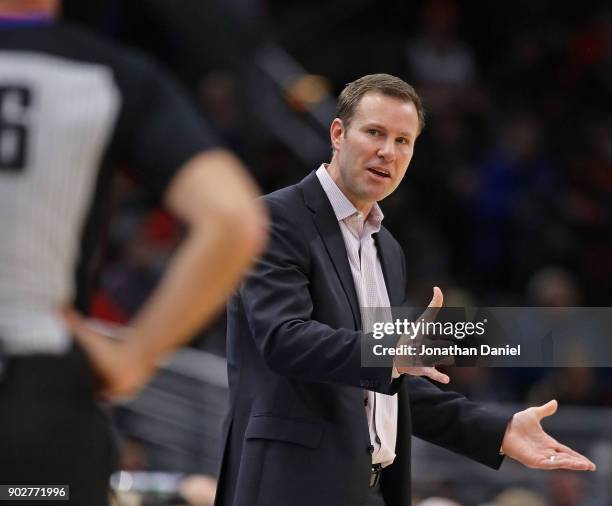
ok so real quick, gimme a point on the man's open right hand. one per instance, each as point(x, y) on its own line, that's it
point(428, 315)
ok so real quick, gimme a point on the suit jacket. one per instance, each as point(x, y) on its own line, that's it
point(296, 432)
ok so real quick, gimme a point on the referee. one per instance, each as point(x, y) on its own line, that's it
point(72, 108)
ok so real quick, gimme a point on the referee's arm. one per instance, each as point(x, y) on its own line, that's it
point(214, 195)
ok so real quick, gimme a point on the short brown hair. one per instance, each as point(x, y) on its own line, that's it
point(384, 84)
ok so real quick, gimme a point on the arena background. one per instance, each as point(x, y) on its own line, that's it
point(508, 200)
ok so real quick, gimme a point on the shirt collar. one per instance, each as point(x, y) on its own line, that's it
point(342, 206)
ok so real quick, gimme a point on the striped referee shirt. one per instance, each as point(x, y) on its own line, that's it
point(73, 106)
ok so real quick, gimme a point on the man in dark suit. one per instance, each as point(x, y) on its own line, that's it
point(308, 425)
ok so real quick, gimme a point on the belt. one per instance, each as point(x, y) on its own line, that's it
point(375, 474)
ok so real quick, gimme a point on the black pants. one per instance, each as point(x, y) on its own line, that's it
point(375, 497)
point(51, 430)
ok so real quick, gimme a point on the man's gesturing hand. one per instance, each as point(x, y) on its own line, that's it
point(526, 441)
point(429, 315)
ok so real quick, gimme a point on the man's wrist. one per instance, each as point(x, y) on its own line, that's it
point(501, 448)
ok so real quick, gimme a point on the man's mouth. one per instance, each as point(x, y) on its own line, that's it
point(379, 172)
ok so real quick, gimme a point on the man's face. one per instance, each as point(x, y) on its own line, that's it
point(372, 154)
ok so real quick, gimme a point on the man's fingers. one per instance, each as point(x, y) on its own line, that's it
point(434, 306)
point(577, 457)
point(565, 461)
point(546, 409)
point(71, 317)
point(434, 374)
point(438, 299)
point(429, 372)
point(75, 322)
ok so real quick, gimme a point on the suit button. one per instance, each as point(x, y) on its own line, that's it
point(370, 449)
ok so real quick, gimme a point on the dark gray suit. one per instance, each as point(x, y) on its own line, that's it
point(296, 432)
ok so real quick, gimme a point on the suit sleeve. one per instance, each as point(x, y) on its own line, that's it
point(278, 304)
point(450, 420)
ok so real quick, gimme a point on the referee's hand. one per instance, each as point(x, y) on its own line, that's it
point(120, 368)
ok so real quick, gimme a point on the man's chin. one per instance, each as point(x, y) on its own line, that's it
point(376, 196)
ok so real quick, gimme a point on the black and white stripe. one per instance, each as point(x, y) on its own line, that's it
point(67, 120)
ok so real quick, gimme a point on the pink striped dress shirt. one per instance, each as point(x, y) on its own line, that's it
point(357, 230)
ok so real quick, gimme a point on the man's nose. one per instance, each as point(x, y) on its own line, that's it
point(387, 151)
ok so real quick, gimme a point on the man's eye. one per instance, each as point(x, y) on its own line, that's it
point(373, 131)
point(402, 140)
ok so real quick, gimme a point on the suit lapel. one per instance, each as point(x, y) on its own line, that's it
point(393, 278)
point(329, 230)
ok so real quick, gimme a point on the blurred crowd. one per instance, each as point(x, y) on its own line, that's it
point(508, 201)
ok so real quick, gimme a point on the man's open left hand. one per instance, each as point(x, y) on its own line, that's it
point(526, 441)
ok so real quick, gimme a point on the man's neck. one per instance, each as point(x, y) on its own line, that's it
point(334, 171)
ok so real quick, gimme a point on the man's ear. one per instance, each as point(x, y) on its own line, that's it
point(336, 132)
